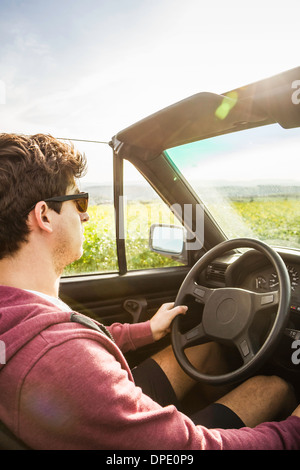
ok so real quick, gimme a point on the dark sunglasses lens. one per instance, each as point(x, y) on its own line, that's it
point(82, 204)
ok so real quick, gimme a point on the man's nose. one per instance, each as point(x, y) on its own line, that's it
point(85, 217)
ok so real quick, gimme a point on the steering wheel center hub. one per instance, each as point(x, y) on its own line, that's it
point(226, 313)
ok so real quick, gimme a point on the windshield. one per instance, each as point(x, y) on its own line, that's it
point(248, 181)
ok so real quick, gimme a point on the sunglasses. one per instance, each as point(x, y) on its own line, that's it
point(81, 200)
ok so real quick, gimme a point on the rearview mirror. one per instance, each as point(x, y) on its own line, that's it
point(168, 240)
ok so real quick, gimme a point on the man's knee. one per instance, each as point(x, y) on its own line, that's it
point(272, 383)
point(276, 391)
point(282, 386)
point(261, 398)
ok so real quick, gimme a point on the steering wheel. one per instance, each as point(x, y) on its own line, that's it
point(228, 314)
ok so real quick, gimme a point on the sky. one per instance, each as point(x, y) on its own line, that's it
point(88, 69)
point(263, 155)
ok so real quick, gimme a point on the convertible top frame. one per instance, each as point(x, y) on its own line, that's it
point(207, 115)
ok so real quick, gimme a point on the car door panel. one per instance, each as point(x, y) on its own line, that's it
point(113, 298)
point(129, 298)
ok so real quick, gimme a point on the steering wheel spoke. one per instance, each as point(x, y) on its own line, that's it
point(193, 337)
point(245, 347)
point(266, 301)
point(200, 294)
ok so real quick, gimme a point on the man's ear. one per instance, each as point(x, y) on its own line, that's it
point(43, 216)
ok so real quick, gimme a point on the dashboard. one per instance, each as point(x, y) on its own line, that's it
point(252, 271)
point(266, 280)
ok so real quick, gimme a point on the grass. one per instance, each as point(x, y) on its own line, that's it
point(272, 220)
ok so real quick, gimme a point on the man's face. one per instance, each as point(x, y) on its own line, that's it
point(68, 244)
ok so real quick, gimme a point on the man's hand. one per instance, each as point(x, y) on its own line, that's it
point(160, 323)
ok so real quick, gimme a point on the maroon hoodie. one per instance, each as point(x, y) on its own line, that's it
point(66, 386)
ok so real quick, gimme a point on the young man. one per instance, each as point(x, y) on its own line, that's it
point(66, 385)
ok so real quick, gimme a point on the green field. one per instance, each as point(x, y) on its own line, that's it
point(273, 220)
point(276, 220)
point(100, 239)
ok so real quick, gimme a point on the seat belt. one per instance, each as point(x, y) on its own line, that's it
point(89, 323)
point(8, 441)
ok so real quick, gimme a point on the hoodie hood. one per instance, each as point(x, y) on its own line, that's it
point(21, 318)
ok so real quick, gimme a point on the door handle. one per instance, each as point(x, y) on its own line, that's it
point(137, 308)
